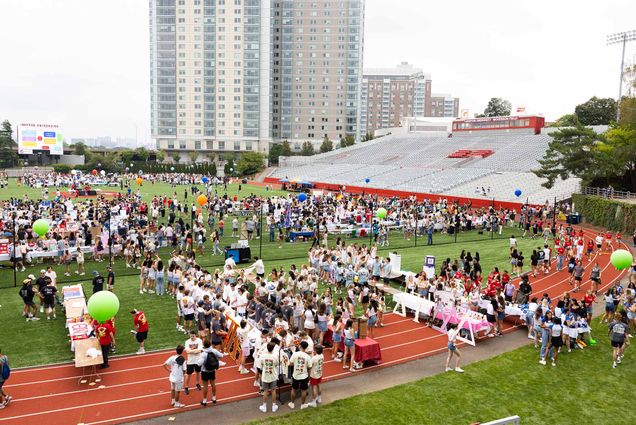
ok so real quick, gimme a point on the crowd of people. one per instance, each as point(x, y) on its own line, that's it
point(288, 317)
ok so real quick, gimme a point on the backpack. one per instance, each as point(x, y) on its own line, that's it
point(211, 362)
point(6, 370)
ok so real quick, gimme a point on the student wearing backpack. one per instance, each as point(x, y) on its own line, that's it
point(5, 371)
point(211, 363)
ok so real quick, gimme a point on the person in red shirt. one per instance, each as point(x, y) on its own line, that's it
point(106, 336)
point(619, 238)
point(141, 329)
point(608, 241)
point(590, 248)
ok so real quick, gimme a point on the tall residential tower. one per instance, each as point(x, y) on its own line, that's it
point(235, 75)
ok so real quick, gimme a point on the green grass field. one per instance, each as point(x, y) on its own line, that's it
point(46, 342)
point(582, 389)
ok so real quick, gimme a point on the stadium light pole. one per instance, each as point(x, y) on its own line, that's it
point(621, 38)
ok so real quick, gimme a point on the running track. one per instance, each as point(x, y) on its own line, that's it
point(136, 387)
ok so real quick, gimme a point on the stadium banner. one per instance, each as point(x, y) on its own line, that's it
point(40, 137)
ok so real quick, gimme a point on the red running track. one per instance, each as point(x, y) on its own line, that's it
point(136, 387)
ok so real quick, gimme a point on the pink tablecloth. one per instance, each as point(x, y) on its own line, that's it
point(367, 349)
point(471, 323)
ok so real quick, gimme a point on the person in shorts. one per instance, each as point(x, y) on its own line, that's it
point(315, 375)
point(208, 371)
point(176, 366)
point(141, 329)
point(5, 399)
point(453, 332)
point(194, 348)
point(617, 330)
point(300, 362)
point(269, 377)
point(27, 294)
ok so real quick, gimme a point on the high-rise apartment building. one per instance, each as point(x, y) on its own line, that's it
point(389, 94)
point(235, 75)
point(444, 105)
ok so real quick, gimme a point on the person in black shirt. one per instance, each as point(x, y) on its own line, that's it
point(524, 291)
point(110, 279)
point(40, 283)
point(27, 293)
point(48, 292)
point(98, 282)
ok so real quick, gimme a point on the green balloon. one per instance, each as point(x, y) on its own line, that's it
point(381, 213)
point(41, 227)
point(103, 305)
point(621, 259)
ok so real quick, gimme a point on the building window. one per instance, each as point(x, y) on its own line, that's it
point(197, 144)
point(237, 146)
point(248, 146)
point(182, 144)
point(221, 145)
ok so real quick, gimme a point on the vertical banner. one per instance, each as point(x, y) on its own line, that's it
point(429, 266)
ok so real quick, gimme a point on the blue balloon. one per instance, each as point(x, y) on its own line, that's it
point(518, 193)
point(302, 197)
point(204, 179)
point(367, 180)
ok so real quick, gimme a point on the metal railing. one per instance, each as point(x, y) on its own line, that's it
point(607, 192)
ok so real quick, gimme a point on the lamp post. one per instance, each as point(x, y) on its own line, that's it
point(621, 38)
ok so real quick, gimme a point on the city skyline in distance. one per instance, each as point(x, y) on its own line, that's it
point(92, 75)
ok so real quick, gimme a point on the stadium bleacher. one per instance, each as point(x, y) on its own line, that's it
point(418, 162)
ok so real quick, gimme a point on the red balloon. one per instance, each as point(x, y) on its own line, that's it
point(94, 172)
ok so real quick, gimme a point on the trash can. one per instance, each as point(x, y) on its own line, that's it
point(574, 218)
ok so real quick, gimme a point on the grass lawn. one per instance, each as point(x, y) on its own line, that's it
point(47, 342)
point(582, 389)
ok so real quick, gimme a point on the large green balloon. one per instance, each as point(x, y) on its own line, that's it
point(381, 213)
point(621, 259)
point(41, 227)
point(103, 305)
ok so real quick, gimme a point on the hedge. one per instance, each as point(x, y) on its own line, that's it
point(606, 213)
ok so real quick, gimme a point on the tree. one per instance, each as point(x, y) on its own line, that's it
point(367, 137)
point(596, 111)
point(307, 149)
point(8, 157)
point(628, 113)
point(567, 120)
point(160, 155)
point(497, 107)
point(80, 148)
point(275, 153)
point(617, 155)
point(193, 156)
point(141, 154)
point(285, 149)
point(348, 140)
point(176, 158)
point(327, 145)
point(570, 153)
point(250, 163)
point(228, 168)
point(127, 156)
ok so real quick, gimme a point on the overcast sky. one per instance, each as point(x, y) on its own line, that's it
point(84, 64)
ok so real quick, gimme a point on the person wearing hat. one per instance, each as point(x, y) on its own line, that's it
point(141, 329)
point(98, 282)
point(27, 293)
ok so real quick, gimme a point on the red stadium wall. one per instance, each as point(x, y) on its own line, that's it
point(388, 193)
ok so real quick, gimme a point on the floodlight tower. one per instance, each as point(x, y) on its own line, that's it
point(621, 38)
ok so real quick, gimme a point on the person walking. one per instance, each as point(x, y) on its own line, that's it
point(194, 348)
point(141, 329)
point(617, 330)
point(176, 366)
point(98, 282)
point(453, 332)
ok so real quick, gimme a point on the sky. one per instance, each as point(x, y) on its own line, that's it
point(84, 64)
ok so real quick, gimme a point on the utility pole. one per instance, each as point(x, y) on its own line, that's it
point(621, 38)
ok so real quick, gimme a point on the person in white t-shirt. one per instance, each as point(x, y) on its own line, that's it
point(452, 348)
point(176, 366)
point(269, 377)
point(244, 340)
point(194, 348)
point(300, 375)
point(259, 267)
point(315, 375)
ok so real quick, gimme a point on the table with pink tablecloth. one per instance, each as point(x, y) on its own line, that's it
point(451, 315)
point(367, 349)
